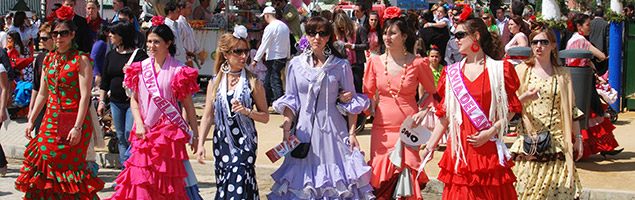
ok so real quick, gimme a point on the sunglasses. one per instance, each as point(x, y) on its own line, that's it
point(240, 52)
point(44, 39)
point(63, 33)
point(313, 33)
point(543, 42)
point(460, 35)
point(485, 17)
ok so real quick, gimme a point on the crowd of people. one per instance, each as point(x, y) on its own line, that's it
point(446, 67)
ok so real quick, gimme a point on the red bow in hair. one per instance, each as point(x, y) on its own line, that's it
point(467, 12)
point(392, 12)
point(533, 17)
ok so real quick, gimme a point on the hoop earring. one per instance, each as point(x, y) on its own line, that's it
point(225, 67)
point(581, 32)
point(475, 46)
point(308, 50)
point(327, 51)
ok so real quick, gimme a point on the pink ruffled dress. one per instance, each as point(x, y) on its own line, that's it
point(155, 170)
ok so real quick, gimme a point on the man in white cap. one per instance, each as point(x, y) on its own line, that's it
point(275, 43)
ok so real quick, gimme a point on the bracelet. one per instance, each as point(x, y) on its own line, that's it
point(250, 111)
point(579, 136)
point(78, 128)
point(497, 129)
point(102, 102)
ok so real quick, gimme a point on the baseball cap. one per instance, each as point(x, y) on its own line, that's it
point(268, 10)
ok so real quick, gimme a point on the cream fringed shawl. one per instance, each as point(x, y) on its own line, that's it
point(567, 102)
point(498, 110)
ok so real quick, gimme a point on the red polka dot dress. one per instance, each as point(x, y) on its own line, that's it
point(53, 170)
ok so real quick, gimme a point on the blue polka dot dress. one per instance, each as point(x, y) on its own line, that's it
point(234, 153)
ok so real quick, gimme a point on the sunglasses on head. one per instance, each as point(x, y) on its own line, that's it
point(543, 42)
point(240, 51)
point(313, 33)
point(63, 33)
point(44, 39)
point(460, 34)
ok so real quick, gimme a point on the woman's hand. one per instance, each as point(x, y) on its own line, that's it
point(348, 45)
point(29, 129)
point(481, 137)
point(239, 108)
point(577, 147)
point(530, 95)
point(101, 108)
point(352, 139)
point(346, 97)
point(200, 154)
point(140, 132)
point(73, 136)
point(417, 118)
point(426, 151)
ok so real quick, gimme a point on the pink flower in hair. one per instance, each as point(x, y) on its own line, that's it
point(158, 20)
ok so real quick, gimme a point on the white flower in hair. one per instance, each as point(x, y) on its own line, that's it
point(240, 31)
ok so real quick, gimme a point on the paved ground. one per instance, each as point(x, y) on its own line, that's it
point(610, 178)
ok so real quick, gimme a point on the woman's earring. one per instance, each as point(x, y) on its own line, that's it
point(327, 50)
point(475, 46)
point(225, 67)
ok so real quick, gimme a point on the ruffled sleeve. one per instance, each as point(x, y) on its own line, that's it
point(131, 77)
point(359, 102)
point(290, 98)
point(184, 83)
point(511, 85)
point(441, 92)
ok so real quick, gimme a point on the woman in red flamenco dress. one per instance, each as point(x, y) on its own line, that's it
point(477, 164)
point(54, 165)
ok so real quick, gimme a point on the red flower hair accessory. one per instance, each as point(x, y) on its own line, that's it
point(392, 12)
point(570, 26)
point(467, 12)
point(65, 13)
point(158, 20)
point(433, 46)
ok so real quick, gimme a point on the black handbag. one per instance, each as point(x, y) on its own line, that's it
point(541, 142)
point(302, 150)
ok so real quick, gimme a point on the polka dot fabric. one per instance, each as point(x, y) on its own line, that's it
point(52, 170)
point(235, 173)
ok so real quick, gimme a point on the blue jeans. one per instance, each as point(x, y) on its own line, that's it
point(273, 80)
point(122, 118)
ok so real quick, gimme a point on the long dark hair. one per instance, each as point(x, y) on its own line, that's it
point(404, 28)
point(318, 22)
point(380, 32)
point(166, 34)
point(17, 41)
point(491, 43)
point(126, 30)
point(19, 20)
point(102, 33)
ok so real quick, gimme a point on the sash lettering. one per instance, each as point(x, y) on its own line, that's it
point(467, 102)
point(167, 108)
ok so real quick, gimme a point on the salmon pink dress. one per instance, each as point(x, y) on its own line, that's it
point(389, 115)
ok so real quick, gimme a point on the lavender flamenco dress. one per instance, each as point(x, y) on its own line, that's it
point(331, 170)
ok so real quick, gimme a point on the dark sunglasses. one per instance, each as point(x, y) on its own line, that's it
point(240, 52)
point(485, 17)
point(63, 33)
point(44, 39)
point(313, 33)
point(460, 35)
point(543, 42)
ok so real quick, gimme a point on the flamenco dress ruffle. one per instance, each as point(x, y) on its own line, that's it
point(599, 136)
point(331, 170)
point(155, 170)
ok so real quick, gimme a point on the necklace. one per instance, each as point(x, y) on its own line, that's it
point(403, 74)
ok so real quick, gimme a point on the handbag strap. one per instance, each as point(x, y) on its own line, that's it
point(131, 59)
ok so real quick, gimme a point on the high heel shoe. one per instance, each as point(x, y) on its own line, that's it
point(3, 171)
point(611, 153)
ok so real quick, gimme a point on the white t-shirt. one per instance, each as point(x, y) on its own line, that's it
point(275, 42)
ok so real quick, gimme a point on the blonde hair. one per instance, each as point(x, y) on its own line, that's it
point(341, 20)
point(226, 44)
